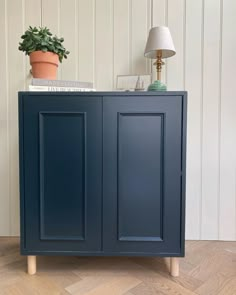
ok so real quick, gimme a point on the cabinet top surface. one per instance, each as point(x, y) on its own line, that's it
point(104, 93)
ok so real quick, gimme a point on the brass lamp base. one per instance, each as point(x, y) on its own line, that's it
point(157, 86)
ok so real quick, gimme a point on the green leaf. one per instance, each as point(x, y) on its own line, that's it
point(40, 38)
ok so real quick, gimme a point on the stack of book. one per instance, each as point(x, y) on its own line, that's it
point(59, 85)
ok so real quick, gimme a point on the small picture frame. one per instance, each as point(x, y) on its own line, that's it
point(133, 82)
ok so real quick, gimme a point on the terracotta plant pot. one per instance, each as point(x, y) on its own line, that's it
point(44, 64)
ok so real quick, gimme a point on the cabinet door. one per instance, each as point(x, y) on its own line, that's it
point(61, 168)
point(143, 164)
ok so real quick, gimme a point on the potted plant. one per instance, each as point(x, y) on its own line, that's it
point(45, 51)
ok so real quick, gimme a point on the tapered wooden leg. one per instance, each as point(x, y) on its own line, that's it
point(31, 261)
point(174, 266)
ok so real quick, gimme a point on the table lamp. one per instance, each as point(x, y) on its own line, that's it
point(159, 45)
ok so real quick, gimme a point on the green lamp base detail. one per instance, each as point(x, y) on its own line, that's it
point(157, 86)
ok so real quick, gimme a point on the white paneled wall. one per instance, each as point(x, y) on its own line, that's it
point(193, 83)
point(107, 38)
point(211, 61)
point(227, 187)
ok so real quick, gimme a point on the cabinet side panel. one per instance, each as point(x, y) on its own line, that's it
point(140, 172)
point(21, 171)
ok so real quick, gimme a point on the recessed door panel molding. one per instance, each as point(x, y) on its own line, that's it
point(62, 175)
point(140, 178)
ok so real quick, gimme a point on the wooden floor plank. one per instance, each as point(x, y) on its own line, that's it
point(87, 284)
point(114, 286)
point(219, 283)
point(209, 268)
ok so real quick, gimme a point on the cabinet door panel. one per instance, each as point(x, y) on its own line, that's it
point(62, 159)
point(139, 176)
point(62, 144)
point(142, 162)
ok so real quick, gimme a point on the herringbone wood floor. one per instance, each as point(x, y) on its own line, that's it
point(209, 268)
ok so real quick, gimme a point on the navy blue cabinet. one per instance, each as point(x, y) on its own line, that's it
point(102, 173)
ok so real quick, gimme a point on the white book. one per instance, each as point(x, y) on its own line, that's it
point(61, 83)
point(54, 88)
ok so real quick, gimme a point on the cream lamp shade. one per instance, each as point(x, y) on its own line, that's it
point(159, 41)
point(159, 45)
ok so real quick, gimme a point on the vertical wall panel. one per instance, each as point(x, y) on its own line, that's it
point(159, 9)
point(51, 12)
point(14, 77)
point(50, 15)
point(159, 13)
point(121, 38)
point(193, 84)
point(140, 24)
point(149, 7)
point(210, 124)
point(175, 64)
point(86, 35)
point(4, 127)
point(16, 70)
point(104, 44)
point(32, 13)
point(32, 17)
point(69, 30)
point(227, 218)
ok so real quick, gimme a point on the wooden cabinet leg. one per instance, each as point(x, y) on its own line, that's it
point(31, 261)
point(174, 266)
